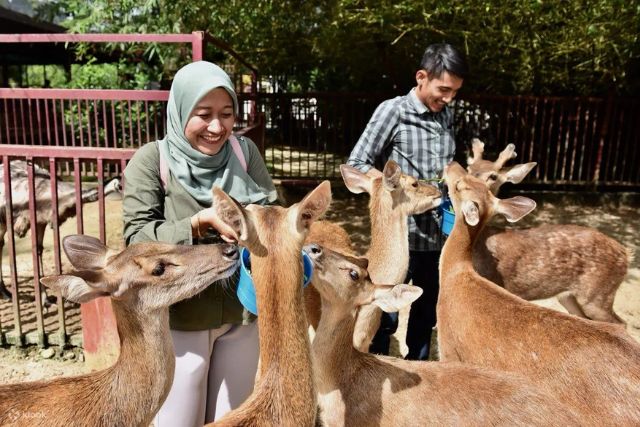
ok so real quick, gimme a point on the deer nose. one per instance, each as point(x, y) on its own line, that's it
point(230, 251)
point(313, 250)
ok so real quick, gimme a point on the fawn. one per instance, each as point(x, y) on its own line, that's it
point(284, 394)
point(495, 174)
point(142, 281)
point(592, 367)
point(361, 389)
point(393, 197)
point(580, 265)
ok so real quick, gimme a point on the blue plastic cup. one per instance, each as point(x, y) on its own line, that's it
point(448, 217)
point(246, 291)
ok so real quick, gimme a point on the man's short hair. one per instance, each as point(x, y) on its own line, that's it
point(441, 57)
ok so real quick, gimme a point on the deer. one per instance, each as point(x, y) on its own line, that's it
point(142, 281)
point(361, 389)
point(582, 266)
point(44, 208)
point(592, 367)
point(393, 197)
point(284, 393)
point(495, 173)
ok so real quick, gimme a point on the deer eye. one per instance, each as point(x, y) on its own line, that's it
point(158, 270)
point(354, 275)
point(415, 184)
point(493, 176)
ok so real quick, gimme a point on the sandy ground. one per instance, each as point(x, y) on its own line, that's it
point(619, 220)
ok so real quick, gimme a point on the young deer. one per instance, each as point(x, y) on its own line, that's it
point(592, 367)
point(142, 280)
point(361, 389)
point(580, 265)
point(393, 197)
point(284, 394)
point(495, 174)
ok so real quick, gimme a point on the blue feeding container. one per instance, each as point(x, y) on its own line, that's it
point(448, 217)
point(247, 293)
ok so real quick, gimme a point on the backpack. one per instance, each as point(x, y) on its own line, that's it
point(235, 145)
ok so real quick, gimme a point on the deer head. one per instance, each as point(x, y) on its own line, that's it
point(472, 198)
point(148, 275)
point(343, 280)
point(495, 174)
point(257, 227)
point(408, 195)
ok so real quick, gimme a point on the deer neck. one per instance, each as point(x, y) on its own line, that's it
point(388, 252)
point(282, 325)
point(332, 346)
point(146, 363)
point(458, 248)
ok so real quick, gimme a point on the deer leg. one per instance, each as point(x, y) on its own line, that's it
point(599, 308)
point(569, 301)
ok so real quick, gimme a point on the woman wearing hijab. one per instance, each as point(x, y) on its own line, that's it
point(166, 196)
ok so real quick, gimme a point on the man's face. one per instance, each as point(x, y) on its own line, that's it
point(437, 92)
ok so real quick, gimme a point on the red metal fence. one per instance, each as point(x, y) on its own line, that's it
point(577, 142)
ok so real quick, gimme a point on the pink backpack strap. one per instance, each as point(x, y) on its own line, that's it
point(164, 171)
point(235, 145)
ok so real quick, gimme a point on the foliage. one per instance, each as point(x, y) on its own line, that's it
point(577, 47)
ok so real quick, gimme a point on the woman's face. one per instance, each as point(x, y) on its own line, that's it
point(210, 122)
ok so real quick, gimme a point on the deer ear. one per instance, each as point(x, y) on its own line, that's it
point(392, 298)
point(313, 206)
point(391, 175)
point(515, 208)
point(356, 181)
point(518, 172)
point(72, 288)
point(470, 211)
point(230, 215)
point(85, 252)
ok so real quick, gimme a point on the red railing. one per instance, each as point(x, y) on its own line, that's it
point(578, 142)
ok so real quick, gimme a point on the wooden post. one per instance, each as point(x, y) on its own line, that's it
point(604, 132)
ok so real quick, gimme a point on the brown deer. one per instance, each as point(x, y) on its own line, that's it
point(393, 197)
point(142, 281)
point(592, 367)
point(284, 394)
point(361, 389)
point(495, 173)
point(580, 265)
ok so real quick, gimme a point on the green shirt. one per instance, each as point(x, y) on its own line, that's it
point(150, 214)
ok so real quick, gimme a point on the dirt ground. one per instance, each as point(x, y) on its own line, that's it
point(615, 216)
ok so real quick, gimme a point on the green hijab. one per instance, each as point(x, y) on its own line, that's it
point(198, 172)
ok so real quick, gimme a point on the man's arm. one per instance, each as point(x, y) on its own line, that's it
point(376, 136)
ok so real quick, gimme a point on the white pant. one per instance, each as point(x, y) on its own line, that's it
point(215, 372)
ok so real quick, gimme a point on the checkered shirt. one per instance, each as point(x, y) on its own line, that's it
point(421, 142)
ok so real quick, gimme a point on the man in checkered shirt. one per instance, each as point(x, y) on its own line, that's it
point(416, 130)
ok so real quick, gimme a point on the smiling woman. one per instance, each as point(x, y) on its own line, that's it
point(211, 122)
point(167, 198)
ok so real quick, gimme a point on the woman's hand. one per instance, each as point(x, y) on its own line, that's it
point(206, 219)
